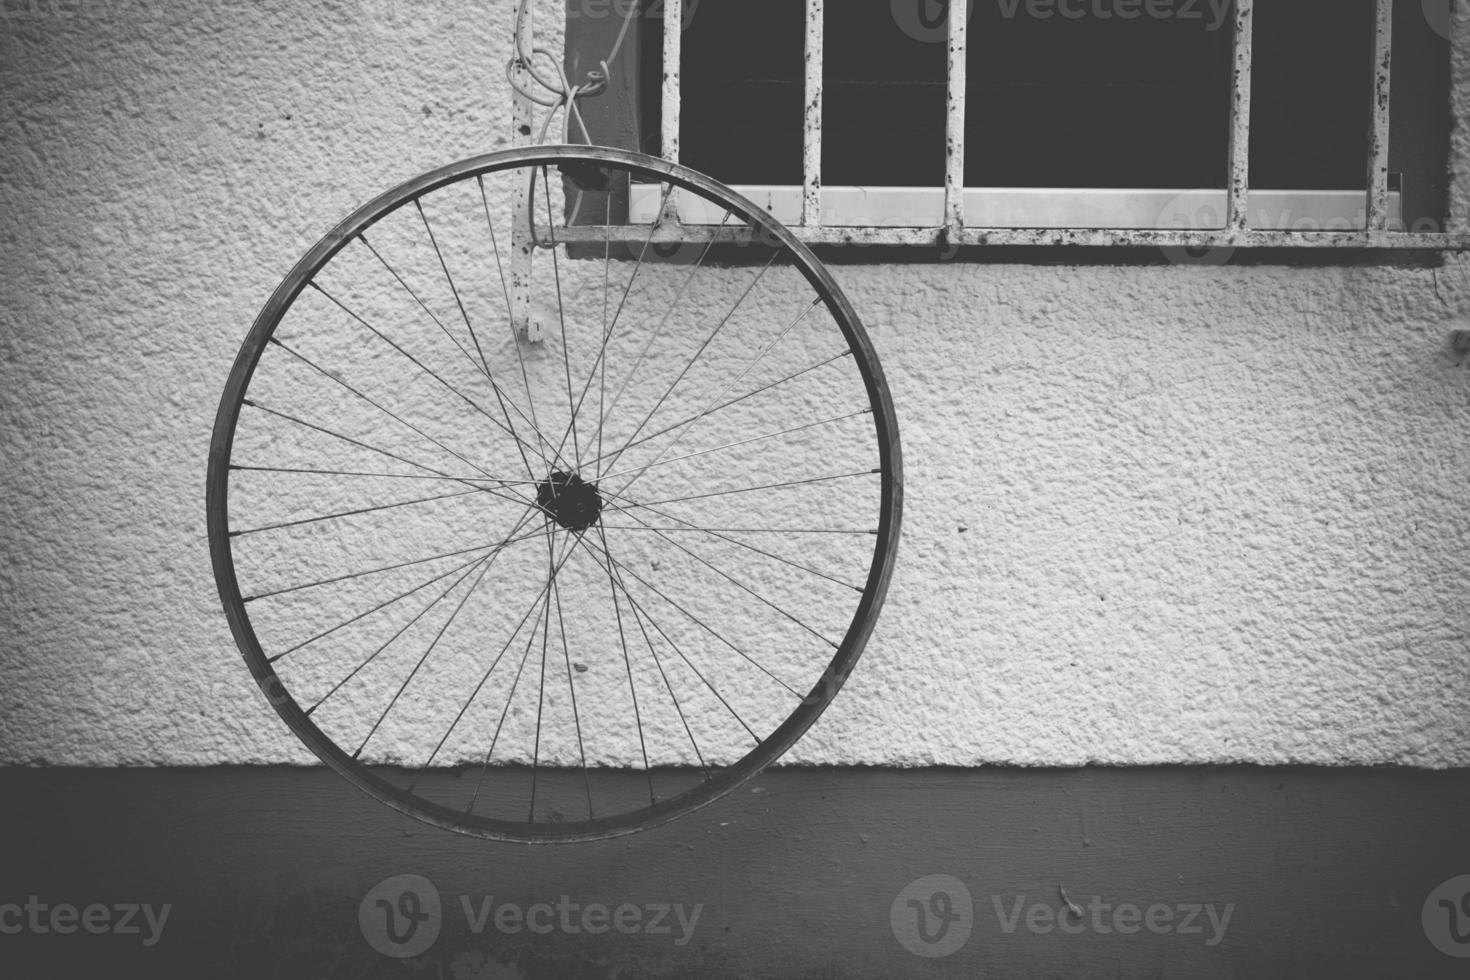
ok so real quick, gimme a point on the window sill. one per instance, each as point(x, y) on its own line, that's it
point(1052, 217)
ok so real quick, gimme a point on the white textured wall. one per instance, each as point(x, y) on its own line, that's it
point(1210, 513)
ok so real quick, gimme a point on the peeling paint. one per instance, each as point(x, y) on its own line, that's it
point(1238, 194)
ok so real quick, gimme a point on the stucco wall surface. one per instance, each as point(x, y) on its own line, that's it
point(1155, 513)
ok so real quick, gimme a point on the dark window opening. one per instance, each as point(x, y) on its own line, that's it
point(1311, 94)
point(1067, 102)
point(1092, 102)
point(743, 86)
point(883, 105)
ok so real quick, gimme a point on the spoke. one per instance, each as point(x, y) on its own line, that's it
point(544, 596)
point(480, 577)
point(401, 630)
point(509, 698)
point(628, 663)
point(678, 425)
point(481, 367)
point(382, 605)
point(362, 445)
point(392, 415)
point(468, 480)
point(362, 238)
point(541, 684)
point(484, 679)
point(618, 583)
point(733, 445)
point(724, 535)
point(750, 366)
point(510, 319)
point(606, 410)
point(701, 623)
point(422, 367)
point(741, 585)
point(354, 513)
point(499, 395)
point(716, 532)
point(402, 564)
point(464, 315)
point(697, 354)
point(601, 364)
point(697, 672)
point(725, 493)
point(720, 533)
point(632, 278)
point(739, 530)
point(561, 313)
point(572, 690)
point(601, 361)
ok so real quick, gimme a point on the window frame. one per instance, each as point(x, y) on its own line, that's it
point(955, 215)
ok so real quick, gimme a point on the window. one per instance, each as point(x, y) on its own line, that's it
point(1259, 122)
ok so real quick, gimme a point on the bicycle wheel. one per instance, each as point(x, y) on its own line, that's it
point(540, 523)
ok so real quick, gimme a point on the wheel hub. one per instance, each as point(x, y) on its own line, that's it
point(569, 500)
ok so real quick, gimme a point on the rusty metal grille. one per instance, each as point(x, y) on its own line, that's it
point(956, 215)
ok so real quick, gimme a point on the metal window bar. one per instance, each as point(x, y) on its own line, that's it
point(671, 100)
point(814, 212)
point(673, 57)
point(954, 136)
point(811, 180)
point(1377, 205)
point(1237, 197)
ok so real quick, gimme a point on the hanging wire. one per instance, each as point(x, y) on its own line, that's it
point(555, 90)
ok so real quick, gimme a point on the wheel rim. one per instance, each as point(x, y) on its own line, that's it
point(658, 539)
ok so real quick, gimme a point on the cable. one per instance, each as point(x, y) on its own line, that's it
point(557, 92)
